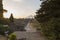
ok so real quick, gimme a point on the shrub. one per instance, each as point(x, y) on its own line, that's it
point(12, 37)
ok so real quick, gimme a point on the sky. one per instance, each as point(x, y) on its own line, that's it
point(21, 8)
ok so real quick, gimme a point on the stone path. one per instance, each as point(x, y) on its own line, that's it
point(29, 35)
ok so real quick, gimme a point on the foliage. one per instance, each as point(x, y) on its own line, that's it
point(11, 18)
point(49, 17)
point(4, 10)
point(1, 29)
point(4, 21)
point(12, 37)
point(35, 24)
point(1, 9)
point(4, 29)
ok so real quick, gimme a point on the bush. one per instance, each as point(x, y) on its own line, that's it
point(4, 29)
point(12, 37)
point(51, 29)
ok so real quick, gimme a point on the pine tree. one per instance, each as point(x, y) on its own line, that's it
point(11, 18)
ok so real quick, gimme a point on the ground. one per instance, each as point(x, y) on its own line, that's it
point(2, 37)
point(29, 35)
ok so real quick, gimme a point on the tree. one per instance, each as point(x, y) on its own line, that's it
point(49, 17)
point(1, 12)
point(1, 9)
point(3, 29)
point(11, 18)
point(4, 10)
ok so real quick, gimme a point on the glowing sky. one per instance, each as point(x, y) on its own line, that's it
point(21, 8)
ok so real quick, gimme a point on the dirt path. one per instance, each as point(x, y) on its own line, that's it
point(2, 37)
point(29, 35)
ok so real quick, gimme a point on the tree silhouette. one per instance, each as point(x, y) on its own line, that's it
point(1, 9)
point(11, 18)
point(49, 17)
point(4, 10)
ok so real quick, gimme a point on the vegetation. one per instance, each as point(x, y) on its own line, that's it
point(11, 18)
point(1, 9)
point(4, 21)
point(35, 24)
point(3, 29)
point(49, 18)
point(12, 37)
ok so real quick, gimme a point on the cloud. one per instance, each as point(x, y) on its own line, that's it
point(18, 0)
